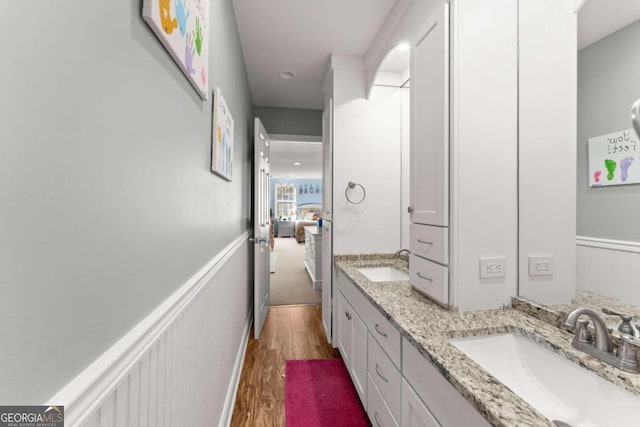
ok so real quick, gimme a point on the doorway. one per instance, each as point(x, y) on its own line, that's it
point(296, 206)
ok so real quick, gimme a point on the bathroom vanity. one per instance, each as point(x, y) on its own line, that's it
point(397, 346)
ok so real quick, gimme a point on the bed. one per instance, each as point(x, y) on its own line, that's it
point(308, 215)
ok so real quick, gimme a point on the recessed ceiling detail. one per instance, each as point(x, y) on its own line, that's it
point(286, 74)
point(302, 35)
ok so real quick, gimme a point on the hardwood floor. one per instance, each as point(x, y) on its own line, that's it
point(290, 332)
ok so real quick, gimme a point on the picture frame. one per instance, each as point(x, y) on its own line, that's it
point(182, 26)
point(221, 137)
point(613, 159)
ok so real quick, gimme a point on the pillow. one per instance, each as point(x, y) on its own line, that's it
point(308, 216)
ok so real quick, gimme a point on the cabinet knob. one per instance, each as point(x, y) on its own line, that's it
point(410, 209)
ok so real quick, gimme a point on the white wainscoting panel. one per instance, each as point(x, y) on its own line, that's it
point(608, 267)
point(181, 365)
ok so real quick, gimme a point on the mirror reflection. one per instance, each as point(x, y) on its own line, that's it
point(607, 228)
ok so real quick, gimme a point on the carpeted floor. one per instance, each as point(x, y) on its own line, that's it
point(290, 283)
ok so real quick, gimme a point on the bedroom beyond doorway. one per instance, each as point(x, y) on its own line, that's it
point(290, 282)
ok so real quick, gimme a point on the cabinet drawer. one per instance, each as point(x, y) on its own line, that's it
point(430, 242)
point(387, 335)
point(378, 411)
point(445, 403)
point(430, 279)
point(385, 375)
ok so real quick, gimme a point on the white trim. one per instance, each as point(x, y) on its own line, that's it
point(577, 5)
point(615, 245)
point(87, 392)
point(285, 137)
point(229, 402)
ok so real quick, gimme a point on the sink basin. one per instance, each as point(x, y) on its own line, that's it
point(558, 388)
point(383, 274)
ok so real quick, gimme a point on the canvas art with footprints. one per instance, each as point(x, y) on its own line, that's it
point(183, 28)
point(614, 159)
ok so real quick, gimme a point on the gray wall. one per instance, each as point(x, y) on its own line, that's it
point(608, 84)
point(108, 205)
point(292, 121)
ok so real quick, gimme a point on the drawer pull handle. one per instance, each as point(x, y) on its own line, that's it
point(377, 418)
point(422, 276)
point(424, 242)
point(380, 331)
point(379, 374)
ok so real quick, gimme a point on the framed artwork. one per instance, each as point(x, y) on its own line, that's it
point(183, 28)
point(221, 137)
point(614, 159)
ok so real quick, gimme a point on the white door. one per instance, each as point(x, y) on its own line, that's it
point(261, 227)
point(429, 122)
point(327, 162)
point(327, 277)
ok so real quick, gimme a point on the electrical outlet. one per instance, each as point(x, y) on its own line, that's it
point(540, 266)
point(493, 267)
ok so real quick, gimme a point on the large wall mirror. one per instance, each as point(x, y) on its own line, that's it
point(608, 217)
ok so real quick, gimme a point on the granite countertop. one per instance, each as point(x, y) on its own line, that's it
point(429, 327)
point(555, 314)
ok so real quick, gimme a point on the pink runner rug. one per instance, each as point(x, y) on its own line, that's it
point(320, 393)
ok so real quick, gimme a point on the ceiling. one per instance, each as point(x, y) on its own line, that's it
point(599, 18)
point(300, 35)
point(283, 154)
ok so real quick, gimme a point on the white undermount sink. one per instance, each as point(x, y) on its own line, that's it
point(383, 274)
point(558, 388)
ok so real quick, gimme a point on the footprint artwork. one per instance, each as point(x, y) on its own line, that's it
point(182, 14)
point(596, 176)
point(611, 168)
point(168, 23)
point(188, 55)
point(197, 34)
point(624, 167)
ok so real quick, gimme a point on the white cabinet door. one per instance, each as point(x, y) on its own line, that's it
point(429, 122)
point(414, 412)
point(344, 329)
point(359, 355)
point(327, 162)
point(327, 279)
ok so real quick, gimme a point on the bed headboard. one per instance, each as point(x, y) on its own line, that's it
point(310, 207)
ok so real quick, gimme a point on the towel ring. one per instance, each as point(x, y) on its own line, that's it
point(635, 116)
point(350, 186)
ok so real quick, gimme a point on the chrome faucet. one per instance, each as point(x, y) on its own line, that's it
point(625, 357)
point(602, 341)
point(406, 252)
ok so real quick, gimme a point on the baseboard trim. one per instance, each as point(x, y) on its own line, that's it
point(232, 392)
point(88, 391)
point(614, 245)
